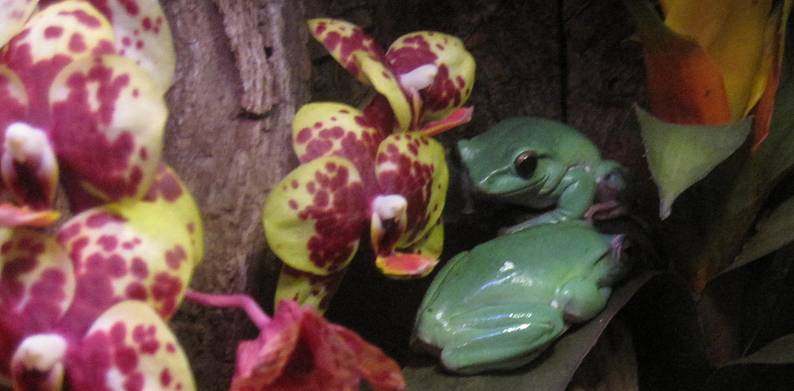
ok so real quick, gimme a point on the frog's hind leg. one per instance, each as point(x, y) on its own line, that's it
point(501, 337)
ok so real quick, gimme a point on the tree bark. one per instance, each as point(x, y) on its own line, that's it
point(242, 71)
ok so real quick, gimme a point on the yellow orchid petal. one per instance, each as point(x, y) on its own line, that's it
point(127, 250)
point(406, 105)
point(61, 32)
point(13, 15)
point(109, 121)
point(169, 190)
point(38, 280)
point(432, 244)
point(453, 65)
point(314, 217)
point(143, 35)
point(307, 288)
point(129, 347)
point(414, 166)
point(342, 40)
point(330, 128)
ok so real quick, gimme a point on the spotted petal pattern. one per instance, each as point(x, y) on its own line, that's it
point(330, 128)
point(414, 166)
point(143, 35)
point(454, 78)
point(169, 190)
point(406, 104)
point(109, 119)
point(37, 285)
point(313, 218)
point(51, 39)
point(343, 39)
point(129, 348)
point(13, 15)
point(124, 251)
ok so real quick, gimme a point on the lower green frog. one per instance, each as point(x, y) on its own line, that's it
point(499, 305)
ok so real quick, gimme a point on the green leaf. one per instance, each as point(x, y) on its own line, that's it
point(552, 371)
point(681, 155)
point(767, 369)
point(774, 232)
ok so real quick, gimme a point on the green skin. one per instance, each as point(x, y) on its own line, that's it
point(570, 172)
point(501, 304)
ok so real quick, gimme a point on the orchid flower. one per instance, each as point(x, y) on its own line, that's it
point(84, 308)
point(423, 79)
point(352, 178)
point(714, 62)
point(81, 91)
point(299, 350)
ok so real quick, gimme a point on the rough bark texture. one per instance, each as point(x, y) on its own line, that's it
point(242, 72)
point(243, 69)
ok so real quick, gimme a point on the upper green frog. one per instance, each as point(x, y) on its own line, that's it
point(540, 163)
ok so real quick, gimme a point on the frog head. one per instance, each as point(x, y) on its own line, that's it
point(540, 163)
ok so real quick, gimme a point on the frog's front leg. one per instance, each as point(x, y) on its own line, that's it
point(503, 336)
point(577, 194)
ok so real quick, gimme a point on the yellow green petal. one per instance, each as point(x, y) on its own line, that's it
point(119, 154)
point(406, 105)
point(306, 288)
point(342, 40)
point(143, 35)
point(455, 67)
point(414, 166)
point(145, 353)
point(315, 216)
point(129, 250)
point(330, 128)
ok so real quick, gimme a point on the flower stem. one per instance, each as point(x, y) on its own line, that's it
point(239, 301)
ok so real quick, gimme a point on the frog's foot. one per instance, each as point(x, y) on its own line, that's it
point(605, 211)
point(500, 337)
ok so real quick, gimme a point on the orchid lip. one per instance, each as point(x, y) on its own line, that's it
point(23, 141)
point(42, 353)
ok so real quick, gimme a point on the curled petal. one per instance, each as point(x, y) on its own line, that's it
point(405, 265)
point(16, 216)
point(307, 288)
point(329, 128)
point(299, 350)
point(28, 166)
point(128, 250)
point(109, 120)
point(13, 15)
point(342, 39)
point(414, 166)
point(406, 104)
point(52, 38)
point(457, 118)
point(454, 69)
point(143, 35)
point(168, 189)
point(388, 222)
point(129, 347)
point(314, 217)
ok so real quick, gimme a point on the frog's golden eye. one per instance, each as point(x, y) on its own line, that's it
point(526, 163)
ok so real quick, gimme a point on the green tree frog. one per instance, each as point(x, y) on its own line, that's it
point(540, 163)
point(501, 304)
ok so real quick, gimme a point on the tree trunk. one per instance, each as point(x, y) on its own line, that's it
point(242, 71)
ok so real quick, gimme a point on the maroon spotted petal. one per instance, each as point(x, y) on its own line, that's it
point(342, 39)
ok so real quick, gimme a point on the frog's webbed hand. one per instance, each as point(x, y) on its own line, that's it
point(578, 190)
point(503, 336)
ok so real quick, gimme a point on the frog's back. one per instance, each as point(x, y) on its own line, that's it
point(532, 262)
point(567, 142)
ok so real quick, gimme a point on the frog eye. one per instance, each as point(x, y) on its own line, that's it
point(526, 163)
